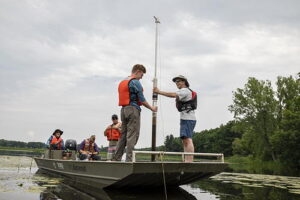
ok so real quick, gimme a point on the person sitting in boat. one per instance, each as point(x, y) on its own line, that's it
point(88, 149)
point(113, 133)
point(55, 142)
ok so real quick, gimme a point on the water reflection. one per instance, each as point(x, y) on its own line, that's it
point(226, 186)
point(237, 186)
point(69, 190)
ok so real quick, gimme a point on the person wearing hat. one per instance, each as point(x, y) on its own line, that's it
point(55, 142)
point(186, 103)
point(113, 133)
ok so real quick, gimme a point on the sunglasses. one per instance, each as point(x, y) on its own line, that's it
point(177, 81)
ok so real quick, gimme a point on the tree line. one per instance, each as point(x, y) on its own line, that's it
point(266, 124)
point(19, 144)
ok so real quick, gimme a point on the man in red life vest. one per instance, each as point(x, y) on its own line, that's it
point(55, 142)
point(131, 97)
point(113, 133)
point(88, 149)
point(186, 103)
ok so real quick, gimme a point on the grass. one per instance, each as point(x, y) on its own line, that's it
point(23, 149)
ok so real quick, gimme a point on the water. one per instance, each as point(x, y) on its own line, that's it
point(18, 182)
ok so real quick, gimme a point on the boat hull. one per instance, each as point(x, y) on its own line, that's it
point(104, 174)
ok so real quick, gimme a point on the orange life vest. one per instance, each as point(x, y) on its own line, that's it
point(88, 146)
point(54, 140)
point(112, 134)
point(124, 92)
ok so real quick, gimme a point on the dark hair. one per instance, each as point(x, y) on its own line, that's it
point(138, 67)
point(186, 83)
point(114, 116)
point(58, 131)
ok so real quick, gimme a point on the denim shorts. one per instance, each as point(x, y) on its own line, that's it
point(187, 128)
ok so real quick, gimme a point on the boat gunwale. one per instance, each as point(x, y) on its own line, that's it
point(132, 163)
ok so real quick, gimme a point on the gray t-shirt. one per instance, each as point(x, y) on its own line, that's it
point(184, 95)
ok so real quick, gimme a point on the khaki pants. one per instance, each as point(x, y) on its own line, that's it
point(130, 117)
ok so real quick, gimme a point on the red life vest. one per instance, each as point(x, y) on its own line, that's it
point(54, 140)
point(124, 92)
point(88, 146)
point(112, 134)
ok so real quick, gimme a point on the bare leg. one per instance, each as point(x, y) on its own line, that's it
point(188, 146)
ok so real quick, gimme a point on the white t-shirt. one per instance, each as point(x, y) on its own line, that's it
point(184, 95)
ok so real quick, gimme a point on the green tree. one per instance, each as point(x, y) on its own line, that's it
point(255, 107)
point(36, 145)
point(286, 139)
point(218, 140)
point(173, 144)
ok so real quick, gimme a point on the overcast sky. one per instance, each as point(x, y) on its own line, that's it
point(61, 61)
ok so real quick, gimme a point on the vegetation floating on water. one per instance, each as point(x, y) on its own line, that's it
point(292, 184)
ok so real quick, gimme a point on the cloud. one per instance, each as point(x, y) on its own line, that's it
point(60, 62)
point(31, 134)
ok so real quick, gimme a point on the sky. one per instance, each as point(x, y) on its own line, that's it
point(61, 61)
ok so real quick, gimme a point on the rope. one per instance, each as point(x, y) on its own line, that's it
point(164, 177)
point(30, 165)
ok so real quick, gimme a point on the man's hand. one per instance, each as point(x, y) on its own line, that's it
point(83, 152)
point(156, 90)
point(154, 108)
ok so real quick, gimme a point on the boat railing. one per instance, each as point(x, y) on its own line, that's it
point(219, 156)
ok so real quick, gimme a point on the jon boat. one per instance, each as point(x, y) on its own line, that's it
point(143, 174)
point(146, 174)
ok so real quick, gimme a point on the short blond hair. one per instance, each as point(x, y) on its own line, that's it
point(93, 137)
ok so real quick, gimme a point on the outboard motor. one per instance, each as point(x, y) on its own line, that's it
point(71, 145)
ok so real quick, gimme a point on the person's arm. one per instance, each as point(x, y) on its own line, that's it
point(147, 105)
point(59, 141)
point(120, 128)
point(96, 149)
point(109, 127)
point(167, 94)
point(62, 144)
point(117, 126)
point(81, 148)
point(137, 85)
point(48, 142)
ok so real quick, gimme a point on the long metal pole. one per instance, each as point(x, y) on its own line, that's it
point(154, 95)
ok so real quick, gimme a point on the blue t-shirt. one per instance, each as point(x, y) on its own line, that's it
point(136, 93)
